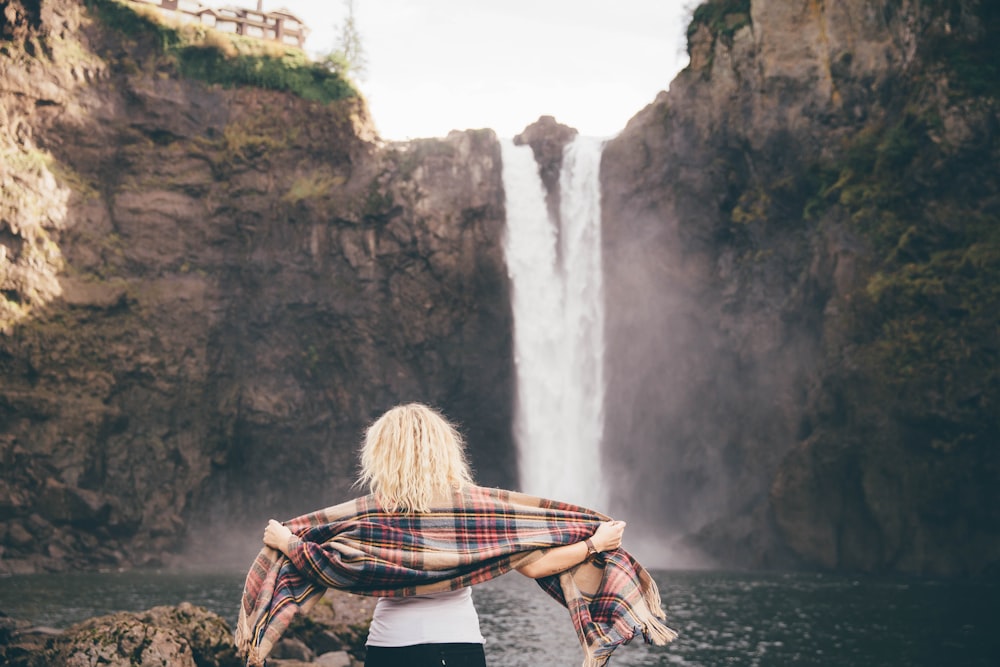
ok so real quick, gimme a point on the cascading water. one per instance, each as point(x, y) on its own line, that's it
point(558, 324)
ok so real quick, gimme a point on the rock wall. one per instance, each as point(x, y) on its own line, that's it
point(208, 292)
point(791, 389)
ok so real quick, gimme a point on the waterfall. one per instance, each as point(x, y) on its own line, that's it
point(558, 324)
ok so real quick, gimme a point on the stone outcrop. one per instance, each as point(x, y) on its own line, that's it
point(548, 138)
point(208, 291)
point(786, 376)
point(332, 634)
point(181, 636)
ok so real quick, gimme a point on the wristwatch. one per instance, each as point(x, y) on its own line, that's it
point(591, 549)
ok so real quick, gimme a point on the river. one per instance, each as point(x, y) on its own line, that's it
point(724, 618)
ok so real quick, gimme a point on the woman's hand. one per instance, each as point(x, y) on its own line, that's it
point(277, 536)
point(608, 535)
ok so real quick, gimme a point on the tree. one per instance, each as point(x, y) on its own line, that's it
point(349, 56)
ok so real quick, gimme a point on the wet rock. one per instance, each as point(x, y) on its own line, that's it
point(337, 623)
point(181, 636)
point(548, 139)
point(290, 648)
point(739, 353)
point(67, 504)
point(334, 659)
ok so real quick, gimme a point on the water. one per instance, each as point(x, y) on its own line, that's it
point(558, 308)
point(752, 619)
point(59, 600)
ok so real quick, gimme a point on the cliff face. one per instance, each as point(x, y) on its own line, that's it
point(208, 292)
point(801, 265)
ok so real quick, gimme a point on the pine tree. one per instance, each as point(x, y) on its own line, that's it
point(349, 56)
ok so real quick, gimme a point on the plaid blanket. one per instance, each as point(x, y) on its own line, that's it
point(484, 533)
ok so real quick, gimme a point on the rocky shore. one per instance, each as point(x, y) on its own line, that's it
point(331, 635)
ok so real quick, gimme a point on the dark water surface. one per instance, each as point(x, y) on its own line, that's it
point(723, 618)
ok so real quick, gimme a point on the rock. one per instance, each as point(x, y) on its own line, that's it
point(290, 648)
point(24, 645)
point(13, 500)
point(548, 140)
point(334, 659)
point(181, 636)
point(16, 535)
point(755, 391)
point(206, 292)
point(337, 623)
point(64, 504)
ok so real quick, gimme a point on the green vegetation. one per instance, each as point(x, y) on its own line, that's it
point(917, 184)
point(971, 59)
point(926, 323)
point(315, 185)
point(721, 17)
point(349, 57)
point(245, 144)
point(207, 55)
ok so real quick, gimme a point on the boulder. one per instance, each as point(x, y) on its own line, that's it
point(178, 636)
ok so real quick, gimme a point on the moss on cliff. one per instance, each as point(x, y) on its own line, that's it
point(924, 323)
point(198, 52)
point(927, 318)
point(894, 232)
point(972, 59)
point(913, 183)
point(921, 193)
point(722, 17)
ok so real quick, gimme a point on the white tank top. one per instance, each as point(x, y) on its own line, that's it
point(438, 618)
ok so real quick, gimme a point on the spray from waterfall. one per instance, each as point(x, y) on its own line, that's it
point(558, 324)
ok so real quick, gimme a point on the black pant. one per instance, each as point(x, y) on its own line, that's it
point(426, 655)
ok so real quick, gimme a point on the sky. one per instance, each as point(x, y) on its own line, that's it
point(439, 65)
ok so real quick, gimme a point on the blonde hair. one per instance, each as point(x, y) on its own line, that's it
point(412, 455)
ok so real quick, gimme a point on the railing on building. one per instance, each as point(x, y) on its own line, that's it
point(280, 26)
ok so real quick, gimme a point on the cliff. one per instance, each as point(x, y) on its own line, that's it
point(801, 261)
point(213, 274)
point(209, 290)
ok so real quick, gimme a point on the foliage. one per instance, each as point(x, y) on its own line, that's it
point(348, 58)
point(314, 185)
point(927, 322)
point(293, 72)
point(245, 143)
point(972, 59)
point(207, 55)
point(923, 331)
point(721, 17)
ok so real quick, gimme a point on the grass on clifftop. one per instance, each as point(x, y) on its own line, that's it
point(201, 53)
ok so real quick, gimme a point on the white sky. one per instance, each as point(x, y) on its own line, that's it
point(438, 65)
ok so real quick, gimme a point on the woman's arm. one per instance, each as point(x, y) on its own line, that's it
point(608, 536)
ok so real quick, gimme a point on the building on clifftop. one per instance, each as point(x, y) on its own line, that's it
point(279, 26)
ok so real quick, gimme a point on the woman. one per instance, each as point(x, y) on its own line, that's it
point(423, 535)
